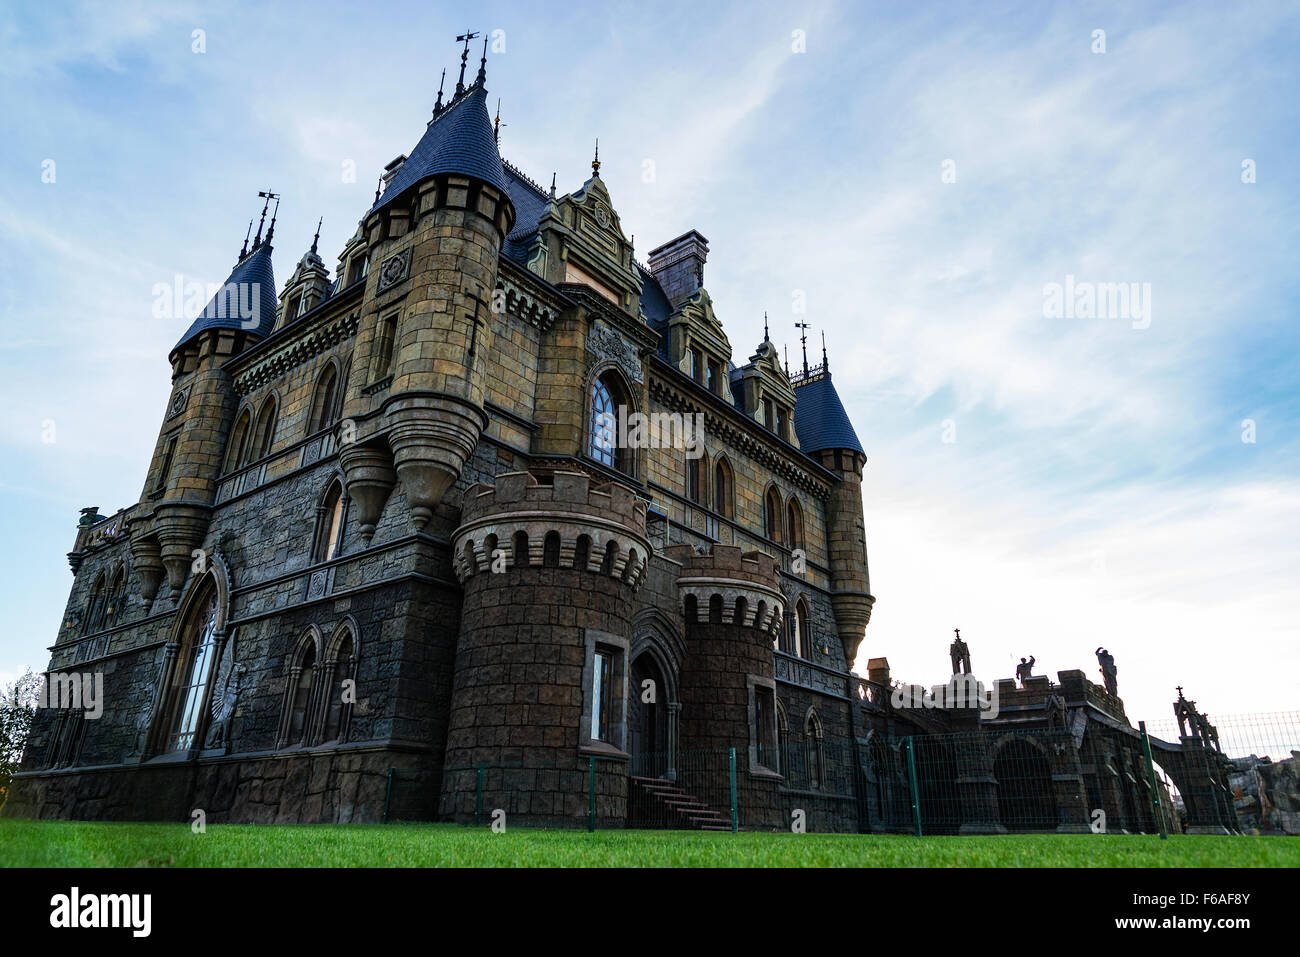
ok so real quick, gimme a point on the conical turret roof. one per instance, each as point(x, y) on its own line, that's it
point(251, 286)
point(819, 417)
point(458, 140)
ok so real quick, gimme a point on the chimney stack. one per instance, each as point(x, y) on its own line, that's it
point(679, 265)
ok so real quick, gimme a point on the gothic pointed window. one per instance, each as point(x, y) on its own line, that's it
point(772, 515)
point(338, 711)
point(238, 441)
point(695, 480)
point(324, 404)
point(329, 531)
point(116, 596)
point(609, 404)
point(95, 606)
point(800, 645)
point(723, 490)
point(813, 745)
point(264, 433)
point(197, 652)
point(302, 677)
point(794, 524)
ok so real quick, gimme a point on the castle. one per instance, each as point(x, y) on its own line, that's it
point(496, 495)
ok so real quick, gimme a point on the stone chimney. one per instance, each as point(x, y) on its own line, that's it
point(679, 265)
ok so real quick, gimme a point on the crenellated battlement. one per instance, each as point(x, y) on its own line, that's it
point(521, 522)
point(744, 584)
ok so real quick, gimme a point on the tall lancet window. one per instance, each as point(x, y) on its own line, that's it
point(604, 424)
point(198, 666)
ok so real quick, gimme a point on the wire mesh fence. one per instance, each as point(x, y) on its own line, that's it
point(994, 780)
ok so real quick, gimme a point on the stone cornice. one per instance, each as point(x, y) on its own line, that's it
point(306, 345)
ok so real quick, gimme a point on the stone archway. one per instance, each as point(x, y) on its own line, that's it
point(648, 709)
point(1025, 797)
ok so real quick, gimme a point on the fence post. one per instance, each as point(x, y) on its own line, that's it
point(388, 794)
point(478, 797)
point(1155, 785)
point(916, 794)
point(591, 793)
point(735, 811)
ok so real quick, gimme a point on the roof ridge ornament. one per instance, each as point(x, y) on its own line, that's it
point(482, 66)
point(804, 339)
point(268, 196)
point(244, 252)
point(437, 106)
point(595, 163)
point(316, 239)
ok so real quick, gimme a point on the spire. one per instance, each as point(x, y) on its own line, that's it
point(786, 349)
point(595, 163)
point(765, 335)
point(826, 365)
point(552, 197)
point(244, 252)
point(257, 240)
point(464, 58)
point(437, 107)
point(316, 239)
point(804, 339)
point(482, 66)
point(276, 212)
point(378, 186)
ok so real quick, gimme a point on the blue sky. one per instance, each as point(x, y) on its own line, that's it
point(1096, 488)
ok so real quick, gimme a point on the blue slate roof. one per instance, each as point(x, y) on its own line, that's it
point(530, 202)
point(819, 417)
point(252, 286)
point(459, 140)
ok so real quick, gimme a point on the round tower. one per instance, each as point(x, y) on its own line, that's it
point(434, 239)
point(550, 572)
point(176, 503)
point(733, 609)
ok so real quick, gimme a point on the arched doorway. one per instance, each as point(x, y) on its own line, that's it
point(1025, 798)
point(648, 718)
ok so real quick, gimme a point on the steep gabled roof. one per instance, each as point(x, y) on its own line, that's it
point(458, 140)
point(819, 417)
point(252, 284)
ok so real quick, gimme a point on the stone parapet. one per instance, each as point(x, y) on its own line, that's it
point(732, 576)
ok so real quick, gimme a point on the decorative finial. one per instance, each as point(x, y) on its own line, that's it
point(464, 58)
point(786, 349)
point(482, 66)
point(437, 107)
point(803, 337)
point(765, 335)
point(1180, 691)
point(378, 186)
point(496, 124)
point(595, 163)
point(244, 252)
point(957, 632)
point(268, 196)
point(826, 364)
point(552, 187)
point(274, 213)
point(316, 238)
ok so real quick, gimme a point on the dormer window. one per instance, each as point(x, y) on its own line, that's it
point(713, 375)
point(767, 413)
point(291, 310)
point(697, 365)
point(782, 422)
point(358, 268)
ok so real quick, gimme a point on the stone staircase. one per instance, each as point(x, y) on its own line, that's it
point(656, 803)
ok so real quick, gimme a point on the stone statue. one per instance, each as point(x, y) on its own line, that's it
point(224, 697)
point(1025, 670)
point(1108, 670)
point(960, 655)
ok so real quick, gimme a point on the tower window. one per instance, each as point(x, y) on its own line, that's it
point(165, 469)
point(713, 377)
point(199, 652)
point(601, 679)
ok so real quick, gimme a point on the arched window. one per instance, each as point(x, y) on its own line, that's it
point(723, 489)
point(800, 644)
point(324, 400)
point(301, 678)
point(609, 407)
point(813, 743)
point(794, 524)
point(95, 606)
point(264, 433)
point(197, 651)
point(237, 446)
point(329, 524)
point(695, 481)
point(338, 714)
point(772, 515)
point(116, 596)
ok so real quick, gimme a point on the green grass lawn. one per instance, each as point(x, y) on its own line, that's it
point(80, 844)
